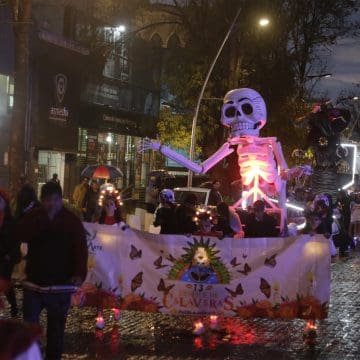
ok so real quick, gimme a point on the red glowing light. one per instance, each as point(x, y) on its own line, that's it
point(116, 313)
point(198, 343)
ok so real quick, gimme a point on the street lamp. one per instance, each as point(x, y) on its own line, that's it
point(262, 22)
point(118, 31)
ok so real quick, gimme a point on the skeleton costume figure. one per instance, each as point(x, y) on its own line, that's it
point(263, 168)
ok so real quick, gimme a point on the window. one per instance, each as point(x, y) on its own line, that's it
point(6, 94)
point(10, 91)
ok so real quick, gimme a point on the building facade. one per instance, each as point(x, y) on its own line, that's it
point(94, 93)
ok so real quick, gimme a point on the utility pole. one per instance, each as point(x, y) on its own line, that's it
point(21, 19)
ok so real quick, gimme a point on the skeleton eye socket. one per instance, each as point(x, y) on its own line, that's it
point(230, 111)
point(247, 109)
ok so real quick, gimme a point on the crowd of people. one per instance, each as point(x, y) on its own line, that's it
point(337, 219)
point(56, 250)
point(219, 219)
point(56, 261)
point(97, 203)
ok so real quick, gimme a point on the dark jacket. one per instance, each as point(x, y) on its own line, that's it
point(184, 220)
point(91, 204)
point(261, 228)
point(215, 197)
point(9, 248)
point(57, 249)
point(165, 218)
point(223, 225)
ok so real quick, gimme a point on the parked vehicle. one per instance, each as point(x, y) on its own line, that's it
point(202, 194)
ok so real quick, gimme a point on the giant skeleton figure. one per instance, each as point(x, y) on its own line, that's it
point(263, 168)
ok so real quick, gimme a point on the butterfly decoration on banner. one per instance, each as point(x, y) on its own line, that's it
point(265, 287)
point(238, 291)
point(137, 281)
point(158, 263)
point(135, 253)
point(234, 262)
point(162, 287)
point(246, 270)
point(271, 261)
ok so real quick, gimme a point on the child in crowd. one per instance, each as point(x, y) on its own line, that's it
point(110, 203)
point(204, 221)
point(165, 212)
point(110, 208)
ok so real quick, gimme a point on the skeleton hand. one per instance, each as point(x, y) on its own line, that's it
point(148, 144)
point(296, 172)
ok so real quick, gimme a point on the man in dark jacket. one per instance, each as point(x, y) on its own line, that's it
point(215, 197)
point(259, 223)
point(56, 263)
point(184, 215)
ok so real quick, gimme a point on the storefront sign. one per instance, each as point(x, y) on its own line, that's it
point(259, 277)
point(118, 120)
point(58, 114)
point(58, 80)
point(102, 118)
point(101, 92)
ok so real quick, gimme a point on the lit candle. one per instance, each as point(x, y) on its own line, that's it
point(198, 328)
point(214, 322)
point(100, 322)
point(311, 325)
point(116, 314)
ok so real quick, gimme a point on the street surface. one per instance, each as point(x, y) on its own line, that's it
point(144, 336)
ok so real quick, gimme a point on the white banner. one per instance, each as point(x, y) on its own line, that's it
point(257, 277)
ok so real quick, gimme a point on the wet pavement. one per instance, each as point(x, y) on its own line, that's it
point(158, 337)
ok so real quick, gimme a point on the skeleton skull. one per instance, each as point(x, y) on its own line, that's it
point(244, 111)
point(201, 257)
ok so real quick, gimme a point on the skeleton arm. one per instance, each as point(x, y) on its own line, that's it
point(286, 173)
point(279, 156)
point(225, 150)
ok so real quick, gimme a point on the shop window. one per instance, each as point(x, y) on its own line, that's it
point(82, 140)
point(6, 94)
point(50, 162)
point(117, 62)
point(10, 92)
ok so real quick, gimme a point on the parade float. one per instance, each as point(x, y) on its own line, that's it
point(286, 277)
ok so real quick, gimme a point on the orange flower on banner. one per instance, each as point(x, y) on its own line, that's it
point(102, 299)
point(264, 308)
point(244, 312)
point(128, 299)
point(138, 303)
point(288, 310)
point(90, 295)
